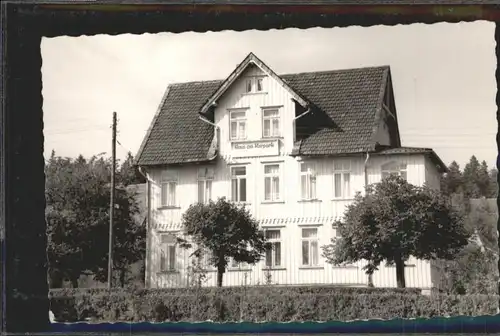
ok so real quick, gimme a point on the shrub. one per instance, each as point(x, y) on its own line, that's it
point(256, 304)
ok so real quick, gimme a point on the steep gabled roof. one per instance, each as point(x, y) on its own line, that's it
point(176, 134)
point(350, 100)
point(249, 60)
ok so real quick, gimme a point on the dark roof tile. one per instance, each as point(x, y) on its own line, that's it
point(350, 98)
point(178, 135)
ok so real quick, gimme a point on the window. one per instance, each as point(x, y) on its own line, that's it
point(254, 84)
point(310, 252)
point(307, 181)
point(273, 254)
point(272, 182)
point(248, 85)
point(238, 125)
point(205, 257)
point(259, 84)
point(235, 264)
point(394, 168)
point(342, 179)
point(205, 178)
point(271, 122)
point(239, 184)
point(168, 189)
point(167, 253)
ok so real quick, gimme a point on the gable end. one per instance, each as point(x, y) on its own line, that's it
point(250, 59)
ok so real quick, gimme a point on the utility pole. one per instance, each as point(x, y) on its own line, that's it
point(112, 203)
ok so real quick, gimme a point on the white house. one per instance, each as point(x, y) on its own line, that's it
point(295, 149)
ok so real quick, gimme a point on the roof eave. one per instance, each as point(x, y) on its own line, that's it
point(425, 151)
point(429, 152)
point(433, 155)
point(178, 163)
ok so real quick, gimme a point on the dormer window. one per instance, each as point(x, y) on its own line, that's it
point(238, 125)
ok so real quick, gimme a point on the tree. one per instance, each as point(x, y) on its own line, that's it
point(474, 270)
point(70, 214)
point(226, 231)
point(129, 172)
point(78, 197)
point(129, 239)
point(494, 182)
point(393, 221)
point(452, 181)
point(484, 182)
point(471, 176)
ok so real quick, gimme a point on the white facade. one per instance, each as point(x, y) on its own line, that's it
point(294, 199)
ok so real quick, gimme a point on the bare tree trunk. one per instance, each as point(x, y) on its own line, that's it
point(220, 274)
point(370, 280)
point(400, 272)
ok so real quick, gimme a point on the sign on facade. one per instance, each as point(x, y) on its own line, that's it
point(255, 148)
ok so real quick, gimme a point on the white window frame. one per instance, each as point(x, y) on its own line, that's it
point(394, 168)
point(309, 174)
point(343, 169)
point(309, 240)
point(274, 196)
point(237, 179)
point(257, 80)
point(274, 132)
point(168, 252)
point(169, 181)
point(253, 82)
point(249, 82)
point(238, 120)
point(273, 252)
point(206, 177)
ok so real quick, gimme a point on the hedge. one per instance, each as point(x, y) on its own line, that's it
point(260, 304)
point(70, 292)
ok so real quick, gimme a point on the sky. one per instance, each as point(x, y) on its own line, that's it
point(443, 78)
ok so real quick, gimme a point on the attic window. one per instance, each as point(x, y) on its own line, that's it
point(254, 85)
point(248, 85)
point(259, 84)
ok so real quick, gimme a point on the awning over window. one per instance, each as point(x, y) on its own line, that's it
point(171, 226)
point(298, 221)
